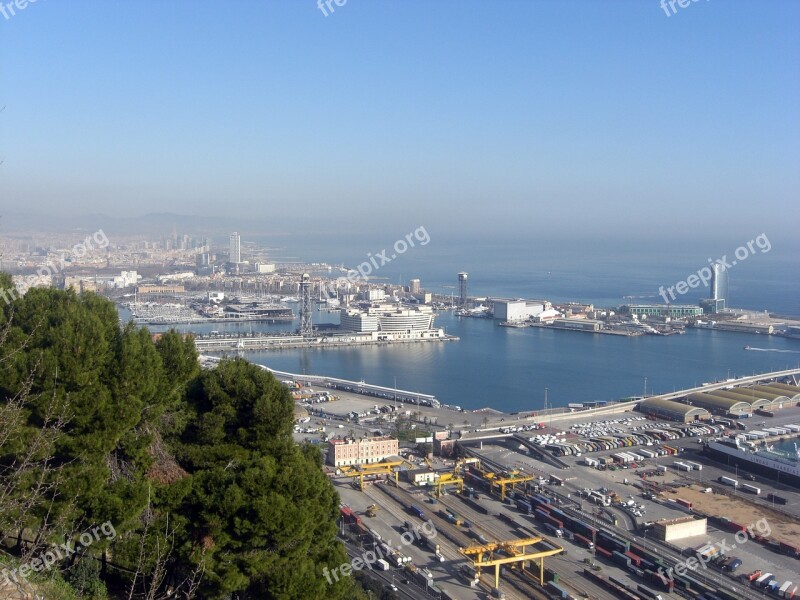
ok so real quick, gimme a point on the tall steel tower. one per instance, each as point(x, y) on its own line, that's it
point(462, 285)
point(305, 306)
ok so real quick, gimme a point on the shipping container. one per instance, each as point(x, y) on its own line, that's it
point(620, 559)
point(602, 551)
point(790, 549)
point(646, 592)
point(636, 560)
point(524, 507)
point(683, 502)
point(762, 579)
point(557, 590)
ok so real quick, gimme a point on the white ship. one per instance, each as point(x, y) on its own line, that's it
point(776, 464)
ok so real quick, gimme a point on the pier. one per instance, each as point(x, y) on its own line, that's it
point(252, 342)
point(345, 385)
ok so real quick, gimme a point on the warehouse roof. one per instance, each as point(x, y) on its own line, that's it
point(709, 400)
point(793, 390)
point(752, 397)
point(671, 406)
point(776, 394)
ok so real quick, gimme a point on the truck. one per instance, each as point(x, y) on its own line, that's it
point(584, 541)
point(728, 481)
point(731, 564)
point(553, 530)
point(382, 564)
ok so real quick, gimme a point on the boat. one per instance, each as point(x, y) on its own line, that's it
point(747, 347)
point(769, 462)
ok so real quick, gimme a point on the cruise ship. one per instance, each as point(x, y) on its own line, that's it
point(782, 466)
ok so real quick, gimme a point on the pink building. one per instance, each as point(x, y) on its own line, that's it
point(362, 451)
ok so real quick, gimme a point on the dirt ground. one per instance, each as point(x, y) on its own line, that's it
point(740, 511)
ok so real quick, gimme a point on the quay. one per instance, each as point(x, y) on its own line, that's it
point(355, 387)
point(239, 342)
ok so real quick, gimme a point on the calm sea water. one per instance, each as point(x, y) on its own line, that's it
point(508, 368)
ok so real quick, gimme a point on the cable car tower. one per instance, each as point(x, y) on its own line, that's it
point(306, 330)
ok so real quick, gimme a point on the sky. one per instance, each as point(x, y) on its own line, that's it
point(513, 117)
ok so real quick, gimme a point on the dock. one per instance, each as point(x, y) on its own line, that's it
point(252, 342)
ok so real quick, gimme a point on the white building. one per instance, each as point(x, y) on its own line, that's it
point(388, 318)
point(264, 268)
point(126, 279)
point(519, 310)
point(235, 250)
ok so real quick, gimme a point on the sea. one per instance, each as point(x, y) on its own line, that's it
point(515, 369)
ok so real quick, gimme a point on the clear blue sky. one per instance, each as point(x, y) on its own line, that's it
point(546, 117)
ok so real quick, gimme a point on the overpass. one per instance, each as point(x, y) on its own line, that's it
point(565, 414)
point(620, 407)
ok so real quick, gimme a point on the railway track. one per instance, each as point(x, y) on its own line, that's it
point(457, 539)
point(525, 581)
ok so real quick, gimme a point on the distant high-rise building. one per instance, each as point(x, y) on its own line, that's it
point(719, 285)
point(414, 286)
point(462, 289)
point(236, 248)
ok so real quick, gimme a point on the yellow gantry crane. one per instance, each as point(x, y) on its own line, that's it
point(361, 471)
point(495, 554)
point(511, 479)
point(453, 478)
point(501, 481)
point(448, 479)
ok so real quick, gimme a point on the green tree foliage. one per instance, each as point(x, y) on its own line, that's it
point(260, 505)
point(196, 470)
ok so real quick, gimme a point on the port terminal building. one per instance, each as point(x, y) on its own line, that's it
point(510, 310)
point(364, 451)
point(675, 311)
point(672, 410)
